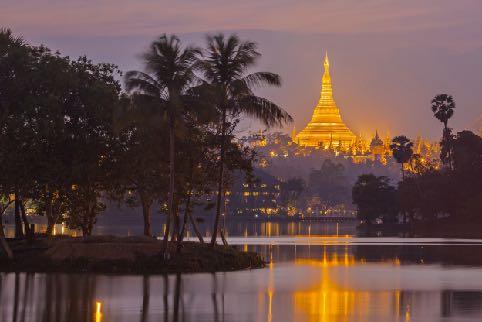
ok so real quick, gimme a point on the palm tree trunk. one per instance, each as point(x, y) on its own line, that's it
point(188, 204)
point(170, 202)
point(447, 140)
point(220, 181)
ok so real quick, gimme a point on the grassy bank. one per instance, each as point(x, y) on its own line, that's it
point(122, 255)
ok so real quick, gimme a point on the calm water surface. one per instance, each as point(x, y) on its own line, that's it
point(340, 281)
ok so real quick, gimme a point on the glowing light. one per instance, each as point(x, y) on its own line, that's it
point(98, 311)
point(270, 306)
point(328, 300)
point(407, 314)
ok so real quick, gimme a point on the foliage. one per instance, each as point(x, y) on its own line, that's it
point(375, 198)
point(443, 106)
point(449, 194)
point(402, 149)
point(56, 124)
point(329, 183)
point(291, 194)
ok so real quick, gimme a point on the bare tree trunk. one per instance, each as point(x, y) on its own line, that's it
point(145, 298)
point(146, 212)
point(170, 203)
point(175, 233)
point(49, 212)
point(177, 297)
point(18, 220)
point(184, 222)
point(16, 297)
point(88, 217)
point(195, 228)
point(223, 238)
point(3, 241)
point(165, 297)
point(214, 298)
point(24, 218)
point(220, 181)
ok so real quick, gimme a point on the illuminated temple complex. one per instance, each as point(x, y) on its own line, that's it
point(326, 128)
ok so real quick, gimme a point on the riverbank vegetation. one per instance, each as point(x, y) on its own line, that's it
point(434, 198)
point(71, 136)
point(123, 255)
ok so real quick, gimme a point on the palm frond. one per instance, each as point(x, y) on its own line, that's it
point(263, 109)
point(259, 79)
point(239, 88)
point(136, 81)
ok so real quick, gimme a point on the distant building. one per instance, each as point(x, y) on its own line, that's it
point(378, 149)
point(258, 196)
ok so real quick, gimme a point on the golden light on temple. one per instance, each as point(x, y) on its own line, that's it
point(326, 128)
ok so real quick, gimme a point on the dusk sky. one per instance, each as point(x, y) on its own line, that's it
point(389, 58)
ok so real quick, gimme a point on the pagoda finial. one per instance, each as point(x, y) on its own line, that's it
point(326, 80)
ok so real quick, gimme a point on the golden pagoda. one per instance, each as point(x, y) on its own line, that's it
point(326, 128)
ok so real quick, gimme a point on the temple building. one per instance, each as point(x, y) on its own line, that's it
point(376, 146)
point(326, 128)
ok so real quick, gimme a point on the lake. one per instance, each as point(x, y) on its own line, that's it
point(324, 273)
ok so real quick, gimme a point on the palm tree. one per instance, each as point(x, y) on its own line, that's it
point(168, 76)
point(402, 150)
point(443, 108)
point(225, 68)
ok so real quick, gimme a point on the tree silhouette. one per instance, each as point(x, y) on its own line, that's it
point(374, 198)
point(443, 106)
point(402, 149)
point(169, 76)
point(225, 68)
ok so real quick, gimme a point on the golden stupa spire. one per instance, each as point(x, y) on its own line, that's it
point(326, 97)
point(326, 125)
point(326, 65)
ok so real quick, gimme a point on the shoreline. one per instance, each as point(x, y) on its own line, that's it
point(422, 230)
point(122, 255)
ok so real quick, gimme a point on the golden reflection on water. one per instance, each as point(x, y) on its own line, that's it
point(327, 301)
point(98, 311)
point(59, 229)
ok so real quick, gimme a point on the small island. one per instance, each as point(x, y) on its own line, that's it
point(123, 255)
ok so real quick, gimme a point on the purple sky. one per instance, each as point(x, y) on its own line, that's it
point(389, 58)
